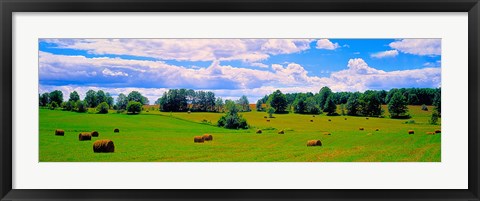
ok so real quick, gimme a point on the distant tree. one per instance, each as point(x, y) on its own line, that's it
point(74, 96)
point(278, 101)
point(270, 112)
point(100, 97)
point(109, 99)
point(219, 104)
point(122, 102)
point(91, 98)
point(434, 118)
point(80, 106)
point(397, 107)
point(53, 105)
point(56, 96)
point(342, 109)
point(370, 103)
point(330, 107)
point(134, 107)
point(44, 99)
point(311, 106)
point(424, 107)
point(437, 102)
point(323, 94)
point(137, 96)
point(244, 104)
point(102, 108)
point(258, 106)
point(69, 105)
point(353, 104)
point(232, 120)
point(413, 99)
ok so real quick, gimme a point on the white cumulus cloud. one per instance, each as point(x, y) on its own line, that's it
point(326, 44)
point(388, 53)
point(418, 46)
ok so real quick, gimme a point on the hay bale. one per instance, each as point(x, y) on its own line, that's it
point(189, 112)
point(265, 117)
point(314, 143)
point(259, 131)
point(268, 120)
point(377, 129)
point(366, 118)
point(410, 132)
point(84, 136)
point(311, 120)
point(281, 132)
point(345, 118)
point(198, 139)
point(438, 131)
point(329, 120)
point(60, 132)
point(116, 130)
point(327, 133)
point(207, 137)
point(94, 134)
point(361, 128)
point(430, 133)
point(103, 146)
point(313, 115)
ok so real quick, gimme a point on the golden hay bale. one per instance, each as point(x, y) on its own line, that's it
point(281, 132)
point(438, 131)
point(94, 134)
point(103, 146)
point(259, 131)
point(345, 118)
point(59, 132)
point(361, 128)
point(265, 117)
point(116, 130)
point(198, 139)
point(430, 133)
point(84, 136)
point(314, 143)
point(268, 120)
point(313, 115)
point(411, 132)
point(366, 118)
point(311, 120)
point(327, 133)
point(207, 137)
point(377, 129)
point(329, 120)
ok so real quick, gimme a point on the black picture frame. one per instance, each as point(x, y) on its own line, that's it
point(7, 7)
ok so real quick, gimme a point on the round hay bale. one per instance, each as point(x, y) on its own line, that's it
point(116, 130)
point(345, 118)
point(207, 137)
point(259, 131)
point(60, 132)
point(366, 118)
point(311, 120)
point(361, 128)
point(430, 133)
point(84, 136)
point(314, 143)
point(189, 112)
point(410, 132)
point(268, 120)
point(265, 117)
point(281, 132)
point(438, 131)
point(198, 139)
point(103, 146)
point(327, 133)
point(329, 120)
point(313, 115)
point(95, 134)
point(377, 129)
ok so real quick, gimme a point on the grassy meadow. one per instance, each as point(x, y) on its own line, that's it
point(156, 136)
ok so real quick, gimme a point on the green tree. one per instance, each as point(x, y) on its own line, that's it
point(278, 101)
point(244, 104)
point(134, 107)
point(353, 104)
point(323, 95)
point(137, 96)
point(74, 96)
point(258, 106)
point(434, 118)
point(270, 112)
point(53, 105)
point(109, 99)
point(56, 96)
point(81, 106)
point(330, 107)
point(232, 120)
point(122, 102)
point(437, 102)
point(100, 97)
point(44, 99)
point(311, 106)
point(397, 107)
point(91, 98)
point(69, 105)
point(102, 108)
point(219, 104)
point(370, 103)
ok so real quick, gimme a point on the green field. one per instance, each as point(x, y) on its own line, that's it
point(168, 137)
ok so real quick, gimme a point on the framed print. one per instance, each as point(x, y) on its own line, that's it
point(265, 100)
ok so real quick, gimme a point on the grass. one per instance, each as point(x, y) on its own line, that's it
point(159, 136)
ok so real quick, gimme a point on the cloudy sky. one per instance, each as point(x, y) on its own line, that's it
point(235, 67)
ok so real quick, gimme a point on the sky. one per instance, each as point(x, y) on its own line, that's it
point(235, 67)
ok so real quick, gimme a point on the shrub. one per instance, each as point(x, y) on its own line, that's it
point(80, 106)
point(270, 112)
point(434, 118)
point(53, 105)
point(102, 108)
point(134, 107)
point(424, 107)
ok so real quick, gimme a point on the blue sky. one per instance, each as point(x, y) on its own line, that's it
point(235, 67)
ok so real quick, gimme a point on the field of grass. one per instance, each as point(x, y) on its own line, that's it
point(158, 136)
